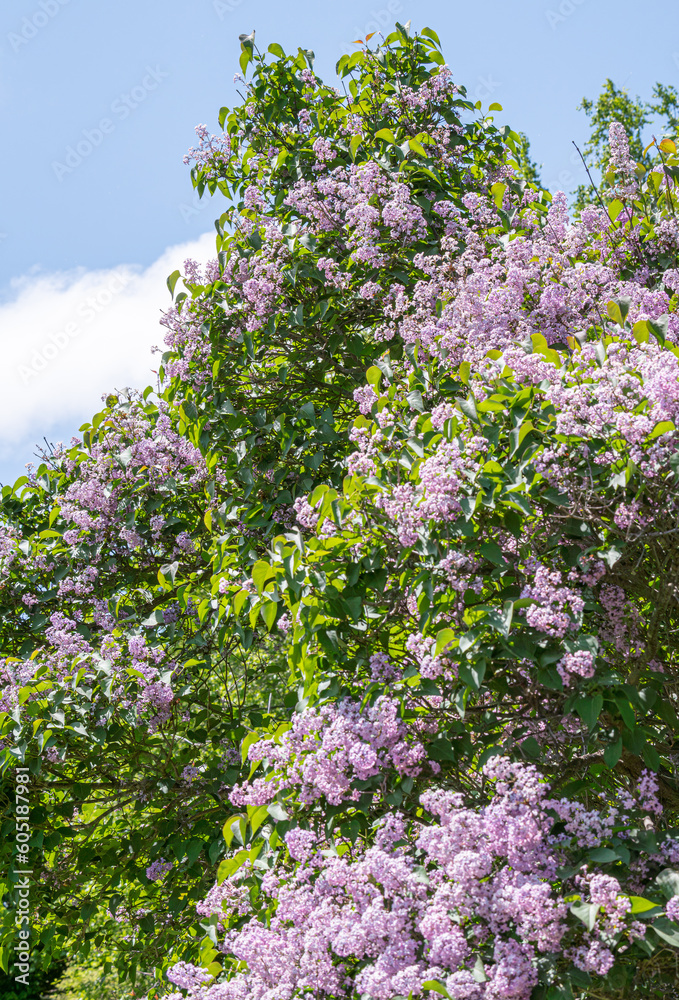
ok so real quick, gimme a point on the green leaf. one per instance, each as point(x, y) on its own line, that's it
point(614, 209)
point(189, 411)
point(561, 992)
point(276, 50)
point(493, 553)
point(261, 572)
point(231, 865)
point(497, 190)
point(430, 33)
point(468, 407)
point(245, 60)
point(247, 743)
point(602, 855)
point(436, 987)
point(659, 327)
point(666, 931)
point(257, 817)
point(540, 346)
point(478, 972)
point(169, 571)
point(268, 611)
point(354, 605)
point(172, 281)
point(469, 639)
point(613, 753)
point(194, 848)
point(668, 882)
point(276, 811)
point(441, 749)
point(661, 428)
point(640, 332)
point(589, 708)
point(443, 639)
point(473, 673)
point(586, 912)
point(228, 829)
point(626, 710)
point(618, 309)
point(501, 620)
point(387, 135)
point(651, 757)
point(239, 600)
point(415, 400)
point(417, 147)
point(640, 905)
point(555, 496)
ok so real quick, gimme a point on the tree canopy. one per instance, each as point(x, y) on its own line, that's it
point(345, 662)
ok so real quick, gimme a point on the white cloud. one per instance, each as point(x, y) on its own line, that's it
point(67, 338)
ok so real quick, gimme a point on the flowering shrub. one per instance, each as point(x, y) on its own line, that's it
point(366, 619)
point(462, 902)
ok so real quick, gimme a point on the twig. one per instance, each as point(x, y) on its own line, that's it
point(594, 187)
point(668, 178)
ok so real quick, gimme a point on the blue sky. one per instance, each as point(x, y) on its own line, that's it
point(151, 70)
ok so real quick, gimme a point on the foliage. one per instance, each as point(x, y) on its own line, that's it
point(346, 663)
point(41, 986)
point(88, 983)
point(614, 104)
point(525, 166)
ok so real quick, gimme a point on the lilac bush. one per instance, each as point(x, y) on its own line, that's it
point(345, 660)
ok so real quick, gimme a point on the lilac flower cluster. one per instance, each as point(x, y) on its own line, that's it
point(441, 479)
point(157, 869)
point(212, 152)
point(474, 889)
point(620, 159)
point(326, 750)
point(8, 549)
point(557, 608)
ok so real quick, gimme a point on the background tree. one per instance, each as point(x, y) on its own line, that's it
point(614, 104)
